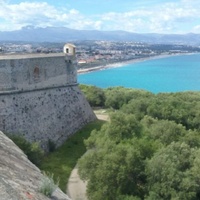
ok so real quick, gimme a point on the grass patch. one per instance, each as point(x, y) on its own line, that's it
point(62, 161)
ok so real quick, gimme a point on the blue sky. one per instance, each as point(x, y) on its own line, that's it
point(141, 16)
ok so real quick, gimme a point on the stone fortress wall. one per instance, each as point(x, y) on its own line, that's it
point(40, 98)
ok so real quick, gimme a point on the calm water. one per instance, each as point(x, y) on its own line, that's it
point(172, 74)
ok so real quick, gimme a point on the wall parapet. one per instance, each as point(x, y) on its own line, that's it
point(36, 71)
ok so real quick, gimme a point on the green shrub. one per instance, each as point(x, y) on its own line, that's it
point(48, 186)
point(32, 150)
point(94, 95)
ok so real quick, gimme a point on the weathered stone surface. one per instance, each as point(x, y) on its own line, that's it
point(19, 178)
point(44, 115)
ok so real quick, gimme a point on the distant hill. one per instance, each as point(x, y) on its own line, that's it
point(62, 34)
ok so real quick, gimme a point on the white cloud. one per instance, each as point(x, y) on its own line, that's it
point(167, 18)
point(41, 14)
point(19, 15)
point(163, 18)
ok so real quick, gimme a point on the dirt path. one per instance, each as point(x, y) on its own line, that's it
point(76, 188)
point(102, 114)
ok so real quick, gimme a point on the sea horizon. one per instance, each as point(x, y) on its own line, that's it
point(176, 73)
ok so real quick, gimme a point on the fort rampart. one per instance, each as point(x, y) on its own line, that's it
point(40, 98)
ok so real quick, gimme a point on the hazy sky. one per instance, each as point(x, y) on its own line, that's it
point(141, 16)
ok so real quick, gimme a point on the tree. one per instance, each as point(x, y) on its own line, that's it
point(116, 97)
point(115, 162)
point(169, 173)
point(164, 130)
point(94, 95)
point(150, 148)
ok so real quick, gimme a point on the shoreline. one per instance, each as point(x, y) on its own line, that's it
point(123, 63)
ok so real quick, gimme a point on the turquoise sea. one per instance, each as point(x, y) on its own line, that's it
point(170, 74)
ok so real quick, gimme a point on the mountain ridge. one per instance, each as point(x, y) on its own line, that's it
point(63, 34)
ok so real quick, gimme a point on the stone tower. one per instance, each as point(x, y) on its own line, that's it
point(40, 98)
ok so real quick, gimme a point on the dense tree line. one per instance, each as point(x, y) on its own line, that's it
point(182, 107)
point(150, 148)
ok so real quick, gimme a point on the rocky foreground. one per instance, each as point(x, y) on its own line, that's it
point(19, 178)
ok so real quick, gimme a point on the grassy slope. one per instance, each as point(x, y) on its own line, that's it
point(63, 160)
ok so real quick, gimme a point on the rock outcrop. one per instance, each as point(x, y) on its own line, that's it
point(19, 178)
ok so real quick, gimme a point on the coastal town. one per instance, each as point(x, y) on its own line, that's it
point(93, 55)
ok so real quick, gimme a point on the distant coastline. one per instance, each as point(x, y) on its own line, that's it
point(121, 64)
point(165, 73)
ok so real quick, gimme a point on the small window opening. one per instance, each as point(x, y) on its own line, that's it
point(36, 73)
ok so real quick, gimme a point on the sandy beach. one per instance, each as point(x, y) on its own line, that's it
point(120, 64)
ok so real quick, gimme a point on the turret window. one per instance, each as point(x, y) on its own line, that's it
point(36, 73)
